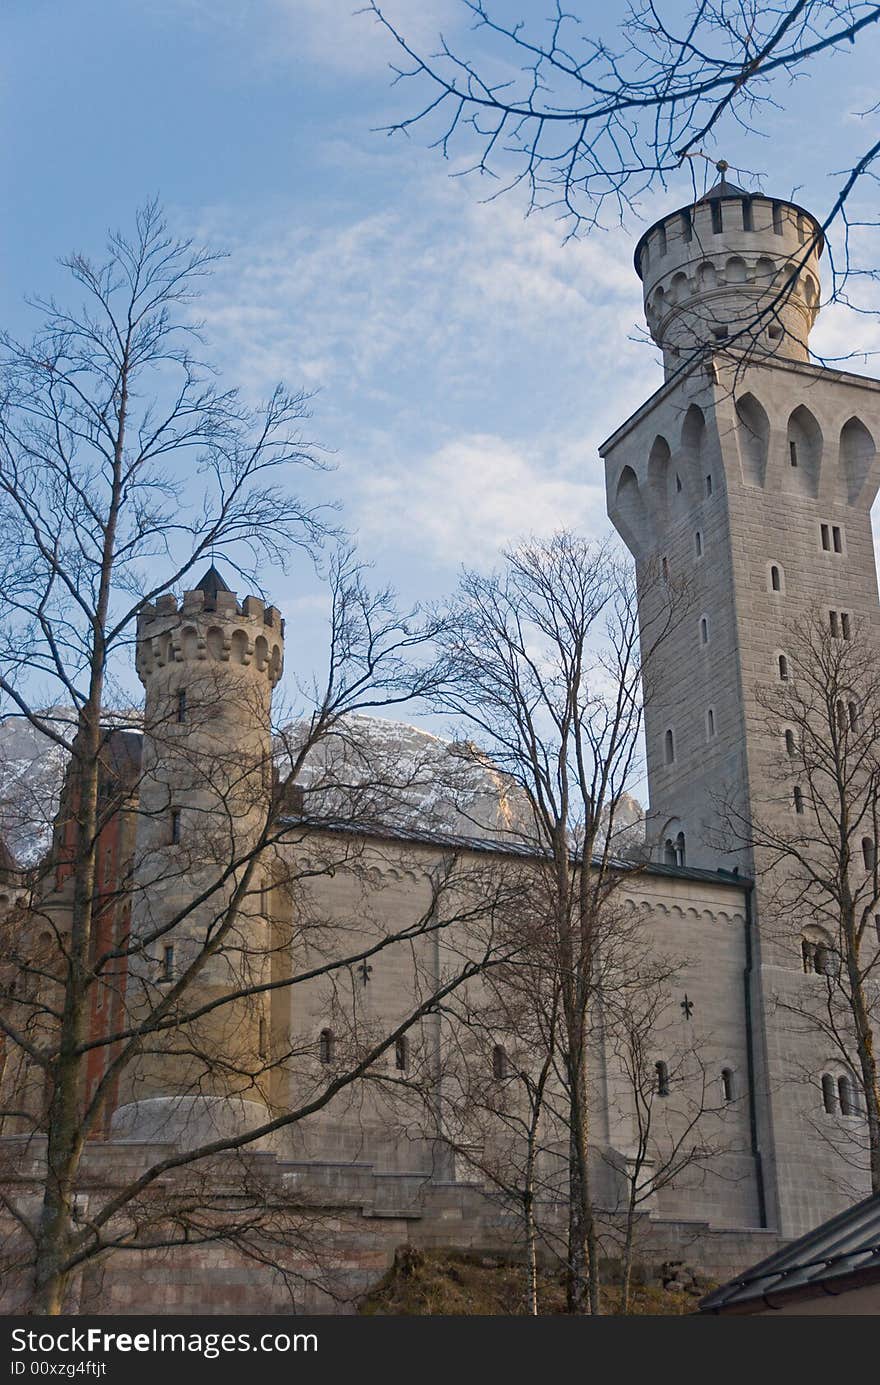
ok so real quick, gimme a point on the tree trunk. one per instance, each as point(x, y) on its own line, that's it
point(582, 1289)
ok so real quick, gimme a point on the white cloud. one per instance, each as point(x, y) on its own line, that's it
point(475, 494)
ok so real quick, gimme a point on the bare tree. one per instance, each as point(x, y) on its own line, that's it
point(588, 112)
point(815, 839)
point(674, 1108)
point(158, 940)
point(543, 663)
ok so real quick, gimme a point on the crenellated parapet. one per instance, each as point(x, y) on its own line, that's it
point(732, 268)
point(210, 626)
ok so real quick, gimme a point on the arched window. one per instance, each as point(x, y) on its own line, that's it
point(499, 1063)
point(401, 1053)
point(669, 854)
point(710, 722)
point(783, 668)
point(808, 955)
point(727, 1084)
point(662, 1074)
point(326, 1045)
point(829, 1094)
point(868, 852)
point(790, 746)
point(798, 799)
point(679, 850)
point(846, 1092)
point(704, 630)
point(698, 543)
point(669, 746)
point(775, 578)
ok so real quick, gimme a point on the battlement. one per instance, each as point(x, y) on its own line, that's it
point(734, 268)
point(210, 623)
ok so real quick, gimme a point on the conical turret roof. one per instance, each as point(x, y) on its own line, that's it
point(212, 583)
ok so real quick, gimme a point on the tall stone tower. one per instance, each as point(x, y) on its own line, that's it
point(208, 667)
point(748, 476)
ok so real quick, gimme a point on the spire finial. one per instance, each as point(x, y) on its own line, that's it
point(722, 165)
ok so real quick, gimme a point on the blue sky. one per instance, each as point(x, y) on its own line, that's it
point(467, 360)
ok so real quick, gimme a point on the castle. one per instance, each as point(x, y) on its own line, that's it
point(750, 473)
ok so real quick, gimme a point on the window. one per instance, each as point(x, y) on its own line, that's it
point(709, 484)
point(808, 956)
point(664, 566)
point(825, 533)
point(181, 706)
point(168, 962)
point(499, 1063)
point(845, 626)
point(727, 1084)
point(698, 543)
point(846, 1091)
point(747, 214)
point(326, 1045)
point(687, 225)
point(669, 746)
point(720, 332)
point(835, 625)
point(829, 1094)
point(710, 722)
point(774, 332)
point(783, 669)
point(877, 927)
point(836, 541)
point(679, 849)
point(831, 538)
point(677, 482)
point(798, 799)
point(716, 216)
point(868, 852)
point(401, 1054)
point(175, 826)
point(777, 219)
point(853, 711)
point(704, 630)
point(792, 452)
point(662, 1072)
point(775, 579)
point(790, 746)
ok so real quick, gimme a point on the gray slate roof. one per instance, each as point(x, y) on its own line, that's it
point(843, 1253)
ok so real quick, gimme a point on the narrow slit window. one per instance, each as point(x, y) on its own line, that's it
point(777, 219)
point(661, 1070)
point(847, 1096)
point(868, 852)
point(687, 226)
point(499, 1063)
point(845, 627)
point(168, 962)
point(175, 826)
point(727, 1084)
point(829, 1094)
point(677, 483)
point(698, 543)
point(836, 539)
point(401, 1053)
point(709, 484)
point(798, 799)
point(775, 579)
point(834, 621)
point(792, 452)
point(710, 722)
point(181, 706)
point(664, 567)
point(704, 630)
point(825, 532)
point(326, 1046)
point(790, 746)
point(680, 850)
point(747, 213)
point(853, 712)
point(783, 669)
point(669, 746)
point(717, 224)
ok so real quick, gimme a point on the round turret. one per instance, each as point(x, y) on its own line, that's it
point(201, 878)
point(733, 269)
